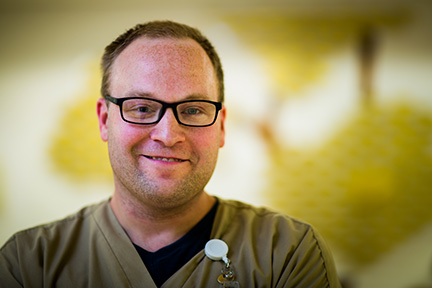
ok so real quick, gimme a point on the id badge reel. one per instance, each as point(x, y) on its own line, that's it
point(217, 250)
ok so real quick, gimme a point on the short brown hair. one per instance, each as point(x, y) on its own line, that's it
point(159, 29)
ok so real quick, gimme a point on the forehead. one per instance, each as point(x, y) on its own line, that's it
point(145, 48)
point(169, 61)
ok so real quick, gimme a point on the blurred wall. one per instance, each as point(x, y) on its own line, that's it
point(316, 127)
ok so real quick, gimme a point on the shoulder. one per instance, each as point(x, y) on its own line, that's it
point(271, 228)
point(261, 217)
point(46, 233)
point(32, 253)
point(274, 244)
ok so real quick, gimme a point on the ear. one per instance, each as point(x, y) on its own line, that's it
point(222, 116)
point(102, 113)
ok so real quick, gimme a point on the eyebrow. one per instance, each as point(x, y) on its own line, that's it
point(152, 96)
point(139, 94)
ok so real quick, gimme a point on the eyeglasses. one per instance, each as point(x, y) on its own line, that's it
point(146, 111)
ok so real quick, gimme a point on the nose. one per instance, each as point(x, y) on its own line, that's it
point(168, 131)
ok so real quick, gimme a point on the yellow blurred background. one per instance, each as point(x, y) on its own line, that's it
point(329, 117)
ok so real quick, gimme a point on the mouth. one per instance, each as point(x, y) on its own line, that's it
point(164, 159)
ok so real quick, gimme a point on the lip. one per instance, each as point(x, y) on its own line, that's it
point(165, 159)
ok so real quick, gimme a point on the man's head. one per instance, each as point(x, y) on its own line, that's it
point(156, 158)
point(154, 30)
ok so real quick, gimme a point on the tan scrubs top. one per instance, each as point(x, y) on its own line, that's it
point(90, 249)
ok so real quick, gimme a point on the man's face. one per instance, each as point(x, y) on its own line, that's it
point(141, 155)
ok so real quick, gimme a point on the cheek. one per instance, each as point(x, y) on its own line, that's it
point(207, 142)
point(122, 136)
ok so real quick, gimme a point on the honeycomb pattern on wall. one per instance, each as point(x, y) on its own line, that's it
point(368, 188)
point(77, 150)
point(295, 46)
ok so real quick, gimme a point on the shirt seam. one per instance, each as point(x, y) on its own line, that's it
point(110, 246)
point(321, 256)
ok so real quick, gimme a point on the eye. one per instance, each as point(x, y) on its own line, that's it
point(196, 109)
point(140, 107)
point(143, 109)
point(192, 111)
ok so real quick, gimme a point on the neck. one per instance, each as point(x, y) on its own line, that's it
point(153, 228)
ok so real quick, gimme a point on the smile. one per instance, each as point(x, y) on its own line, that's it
point(164, 159)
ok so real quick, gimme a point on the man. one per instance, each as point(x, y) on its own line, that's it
point(163, 119)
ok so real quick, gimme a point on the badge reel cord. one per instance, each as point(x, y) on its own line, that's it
point(217, 250)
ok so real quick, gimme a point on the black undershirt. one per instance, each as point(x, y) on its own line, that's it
point(163, 263)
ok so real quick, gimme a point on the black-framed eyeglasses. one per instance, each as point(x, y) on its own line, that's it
point(147, 111)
